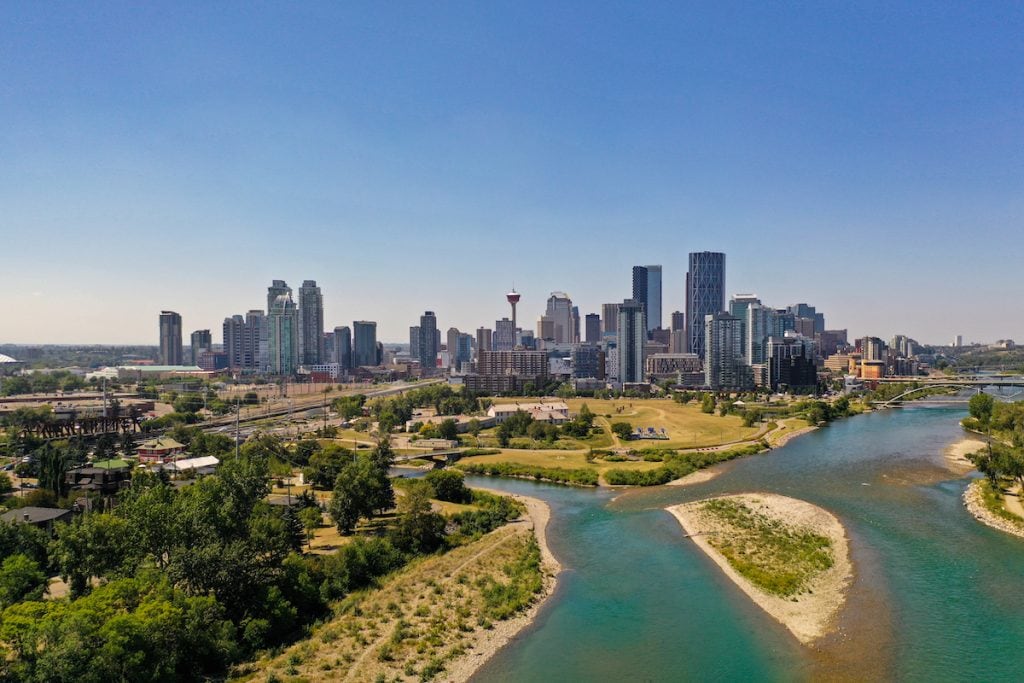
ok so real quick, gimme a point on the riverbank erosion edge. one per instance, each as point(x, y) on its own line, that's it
point(956, 454)
point(974, 501)
point(766, 530)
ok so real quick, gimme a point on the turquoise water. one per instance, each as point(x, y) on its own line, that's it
point(936, 595)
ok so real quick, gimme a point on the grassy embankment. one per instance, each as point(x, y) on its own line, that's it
point(654, 461)
point(775, 557)
point(421, 618)
point(993, 498)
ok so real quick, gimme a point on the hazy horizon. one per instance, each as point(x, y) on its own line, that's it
point(865, 160)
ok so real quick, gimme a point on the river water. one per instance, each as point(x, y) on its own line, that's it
point(936, 597)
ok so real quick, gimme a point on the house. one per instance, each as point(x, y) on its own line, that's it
point(555, 412)
point(43, 518)
point(107, 477)
point(159, 450)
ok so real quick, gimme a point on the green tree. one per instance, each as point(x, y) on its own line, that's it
point(707, 404)
point(54, 462)
point(981, 407)
point(622, 429)
point(92, 545)
point(311, 518)
point(20, 579)
point(449, 485)
point(448, 429)
point(419, 530)
point(474, 427)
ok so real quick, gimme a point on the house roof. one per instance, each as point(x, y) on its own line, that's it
point(161, 442)
point(112, 464)
point(194, 463)
point(33, 515)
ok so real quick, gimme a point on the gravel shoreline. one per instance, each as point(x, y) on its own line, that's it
point(486, 643)
point(975, 505)
point(807, 616)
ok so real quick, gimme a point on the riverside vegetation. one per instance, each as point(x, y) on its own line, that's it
point(775, 557)
point(184, 582)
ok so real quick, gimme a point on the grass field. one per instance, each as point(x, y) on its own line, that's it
point(566, 459)
point(686, 425)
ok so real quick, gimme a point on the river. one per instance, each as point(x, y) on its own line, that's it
point(936, 595)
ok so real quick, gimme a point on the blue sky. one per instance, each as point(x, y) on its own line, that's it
point(867, 158)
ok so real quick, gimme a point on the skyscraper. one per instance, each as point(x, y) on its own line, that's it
point(760, 326)
point(593, 324)
point(200, 342)
point(609, 318)
point(724, 365)
point(678, 321)
point(739, 304)
point(311, 324)
point(452, 345)
point(504, 338)
point(631, 338)
point(343, 347)
point(647, 291)
point(170, 338)
point(483, 339)
point(560, 311)
point(276, 289)
point(364, 343)
point(427, 352)
point(705, 294)
point(283, 337)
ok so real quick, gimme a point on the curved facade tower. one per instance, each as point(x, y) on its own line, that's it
point(705, 294)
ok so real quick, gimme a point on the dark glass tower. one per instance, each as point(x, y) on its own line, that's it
point(705, 294)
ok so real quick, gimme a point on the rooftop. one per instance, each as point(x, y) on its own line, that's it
point(33, 515)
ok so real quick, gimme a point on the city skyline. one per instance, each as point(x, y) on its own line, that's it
point(861, 158)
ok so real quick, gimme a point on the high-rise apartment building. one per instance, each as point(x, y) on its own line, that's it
point(463, 351)
point(414, 341)
point(170, 338)
point(428, 348)
point(508, 371)
point(560, 310)
point(631, 338)
point(451, 344)
point(311, 324)
point(283, 337)
point(364, 343)
point(200, 342)
point(760, 325)
point(546, 328)
point(872, 348)
point(609, 319)
point(593, 328)
point(724, 365)
point(343, 348)
point(678, 321)
point(739, 304)
point(705, 294)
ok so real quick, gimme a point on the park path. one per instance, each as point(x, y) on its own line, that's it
point(1011, 499)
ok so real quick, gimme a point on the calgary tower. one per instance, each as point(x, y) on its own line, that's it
point(513, 299)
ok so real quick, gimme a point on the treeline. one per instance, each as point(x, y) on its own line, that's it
point(395, 411)
point(558, 475)
point(677, 465)
point(522, 424)
point(1003, 458)
point(43, 383)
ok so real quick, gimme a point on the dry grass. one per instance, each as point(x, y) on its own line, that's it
point(431, 612)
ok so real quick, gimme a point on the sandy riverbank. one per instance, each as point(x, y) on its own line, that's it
point(486, 643)
point(698, 477)
point(782, 436)
point(809, 615)
point(976, 506)
point(956, 454)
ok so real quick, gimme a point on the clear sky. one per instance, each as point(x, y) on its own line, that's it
point(867, 158)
